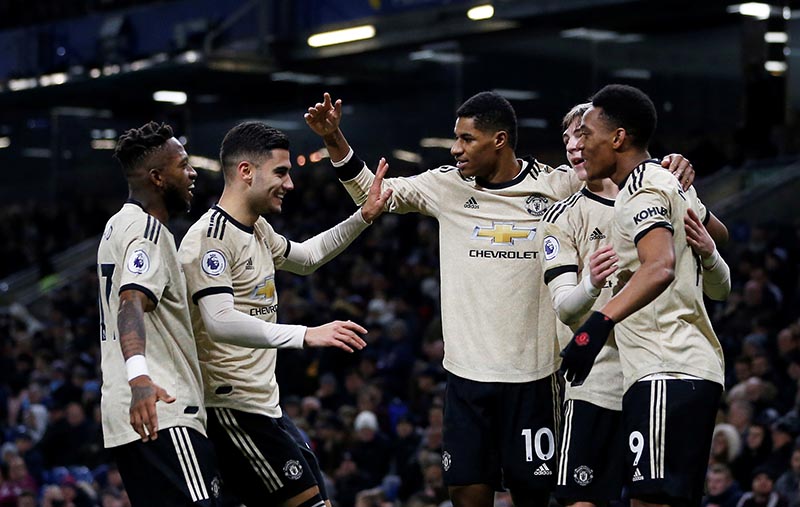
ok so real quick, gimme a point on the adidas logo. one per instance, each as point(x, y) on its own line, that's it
point(249, 264)
point(596, 234)
point(471, 203)
point(637, 475)
point(543, 470)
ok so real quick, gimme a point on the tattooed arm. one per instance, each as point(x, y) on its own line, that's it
point(144, 393)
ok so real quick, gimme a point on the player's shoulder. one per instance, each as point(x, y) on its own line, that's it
point(444, 172)
point(133, 222)
point(560, 210)
point(199, 227)
point(649, 174)
point(263, 226)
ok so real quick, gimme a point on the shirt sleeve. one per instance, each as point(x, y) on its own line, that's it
point(560, 264)
point(225, 324)
point(716, 277)
point(144, 268)
point(410, 194)
point(304, 258)
point(648, 207)
point(565, 181)
point(207, 263)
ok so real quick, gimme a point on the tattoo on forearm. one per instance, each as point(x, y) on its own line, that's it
point(333, 139)
point(131, 328)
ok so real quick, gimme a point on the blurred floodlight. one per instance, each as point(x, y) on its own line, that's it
point(341, 36)
point(171, 97)
point(776, 37)
point(436, 142)
point(209, 164)
point(480, 12)
point(753, 9)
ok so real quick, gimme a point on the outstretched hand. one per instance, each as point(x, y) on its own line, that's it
point(339, 334)
point(376, 197)
point(143, 415)
point(324, 117)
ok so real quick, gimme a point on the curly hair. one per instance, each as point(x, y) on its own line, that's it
point(136, 144)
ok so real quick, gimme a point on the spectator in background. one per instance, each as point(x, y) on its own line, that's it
point(722, 490)
point(404, 457)
point(725, 444)
point(28, 499)
point(349, 480)
point(71, 439)
point(740, 415)
point(371, 448)
point(758, 445)
point(762, 493)
point(784, 432)
point(15, 480)
point(788, 484)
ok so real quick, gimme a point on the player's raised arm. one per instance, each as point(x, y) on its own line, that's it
point(306, 257)
point(324, 119)
point(144, 393)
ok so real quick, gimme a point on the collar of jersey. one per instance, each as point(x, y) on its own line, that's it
point(136, 203)
point(599, 198)
point(238, 224)
point(625, 181)
point(526, 169)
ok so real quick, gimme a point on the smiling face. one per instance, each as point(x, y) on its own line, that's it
point(475, 150)
point(571, 136)
point(271, 181)
point(177, 175)
point(596, 145)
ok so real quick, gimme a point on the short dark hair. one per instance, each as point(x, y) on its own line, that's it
point(630, 108)
point(491, 112)
point(135, 145)
point(251, 139)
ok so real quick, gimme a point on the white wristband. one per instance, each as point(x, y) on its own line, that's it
point(346, 159)
point(710, 261)
point(136, 366)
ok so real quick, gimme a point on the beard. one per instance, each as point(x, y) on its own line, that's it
point(175, 201)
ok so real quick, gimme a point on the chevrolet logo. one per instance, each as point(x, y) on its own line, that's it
point(264, 290)
point(503, 233)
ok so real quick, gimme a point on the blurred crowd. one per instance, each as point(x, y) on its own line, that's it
point(374, 418)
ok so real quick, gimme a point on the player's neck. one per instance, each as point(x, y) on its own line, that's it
point(508, 168)
point(236, 206)
point(627, 161)
point(153, 204)
point(603, 188)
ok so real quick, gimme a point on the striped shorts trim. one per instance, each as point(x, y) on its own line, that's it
point(244, 443)
point(187, 458)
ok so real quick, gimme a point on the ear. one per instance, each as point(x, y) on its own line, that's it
point(620, 135)
point(245, 171)
point(155, 177)
point(500, 139)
